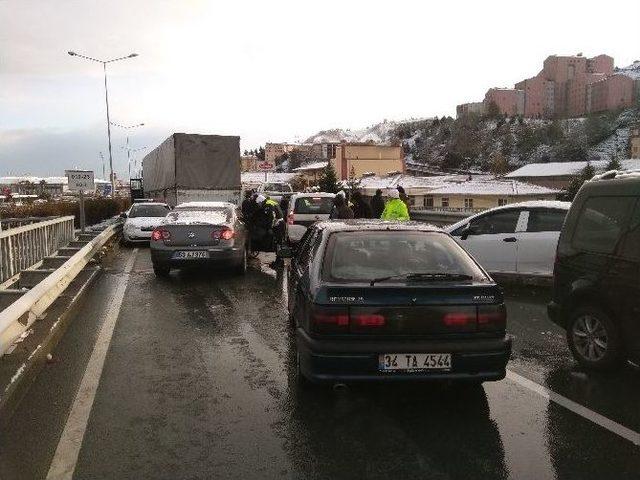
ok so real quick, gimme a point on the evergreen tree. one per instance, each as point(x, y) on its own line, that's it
point(614, 163)
point(328, 180)
point(585, 174)
point(260, 153)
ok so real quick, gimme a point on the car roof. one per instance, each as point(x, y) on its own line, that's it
point(206, 205)
point(148, 203)
point(313, 194)
point(374, 225)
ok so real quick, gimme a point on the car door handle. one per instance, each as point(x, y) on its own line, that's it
point(510, 239)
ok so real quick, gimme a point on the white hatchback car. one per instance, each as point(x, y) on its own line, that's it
point(520, 238)
point(141, 219)
point(304, 210)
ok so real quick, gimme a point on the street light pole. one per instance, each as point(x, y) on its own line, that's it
point(106, 100)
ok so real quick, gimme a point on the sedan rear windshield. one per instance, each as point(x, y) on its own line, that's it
point(192, 216)
point(148, 211)
point(363, 256)
point(313, 205)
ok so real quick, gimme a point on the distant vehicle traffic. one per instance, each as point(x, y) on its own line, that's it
point(377, 301)
point(188, 167)
point(276, 190)
point(200, 233)
point(519, 238)
point(596, 294)
point(141, 219)
point(304, 210)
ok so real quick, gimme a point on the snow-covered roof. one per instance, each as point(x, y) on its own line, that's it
point(493, 187)
point(256, 178)
point(559, 169)
point(311, 166)
point(32, 179)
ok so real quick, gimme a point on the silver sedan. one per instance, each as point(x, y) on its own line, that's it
point(194, 233)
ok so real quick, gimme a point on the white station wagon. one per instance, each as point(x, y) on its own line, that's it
point(520, 238)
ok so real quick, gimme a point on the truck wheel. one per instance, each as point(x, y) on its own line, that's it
point(594, 339)
point(161, 271)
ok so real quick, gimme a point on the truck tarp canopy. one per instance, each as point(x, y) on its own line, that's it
point(190, 161)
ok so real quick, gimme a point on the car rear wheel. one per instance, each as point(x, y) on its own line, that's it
point(594, 339)
point(161, 271)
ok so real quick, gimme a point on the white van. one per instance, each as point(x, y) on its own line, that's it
point(304, 210)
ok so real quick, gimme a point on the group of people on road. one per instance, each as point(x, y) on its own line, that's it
point(356, 206)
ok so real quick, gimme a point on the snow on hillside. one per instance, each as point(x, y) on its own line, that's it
point(379, 133)
point(632, 70)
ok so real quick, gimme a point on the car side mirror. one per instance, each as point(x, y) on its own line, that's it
point(468, 230)
point(123, 215)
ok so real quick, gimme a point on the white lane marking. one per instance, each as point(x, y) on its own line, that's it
point(584, 412)
point(66, 455)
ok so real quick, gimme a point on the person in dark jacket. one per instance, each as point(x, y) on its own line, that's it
point(248, 205)
point(340, 209)
point(361, 208)
point(377, 204)
point(403, 195)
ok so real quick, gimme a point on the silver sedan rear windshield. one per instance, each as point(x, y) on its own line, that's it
point(365, 255)
point(192, 216)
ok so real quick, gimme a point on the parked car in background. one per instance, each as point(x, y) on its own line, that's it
point(596, 293)
point(393, 301)
point(304, 210)
point(141, 219)
point(520, 238)
point(276, 190)
point(200, 233)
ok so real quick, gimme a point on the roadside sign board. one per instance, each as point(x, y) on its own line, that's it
point(266, 166)
point(80, 180)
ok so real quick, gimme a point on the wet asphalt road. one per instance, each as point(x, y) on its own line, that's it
point(199, 383)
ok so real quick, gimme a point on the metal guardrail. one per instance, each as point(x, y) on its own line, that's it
point(20, 315)
point(26, 245)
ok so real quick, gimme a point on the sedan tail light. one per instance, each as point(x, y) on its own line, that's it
point(160, 234)
point(330, 320)
point(223, 234)
point(492, 318)
point(368, 320)
point(459, 319)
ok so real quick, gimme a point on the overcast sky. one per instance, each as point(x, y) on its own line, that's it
point(267, 70)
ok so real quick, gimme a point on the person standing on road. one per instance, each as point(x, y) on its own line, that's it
point(361, 208)
point(395, 209)
point(340, 209)
point(403, 195)
point(248, 205)
point(377, 204)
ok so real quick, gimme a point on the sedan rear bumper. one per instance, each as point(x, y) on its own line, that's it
point(226, 256)
point(338, 360)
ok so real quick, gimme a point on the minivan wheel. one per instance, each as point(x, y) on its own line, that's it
point(594, 339)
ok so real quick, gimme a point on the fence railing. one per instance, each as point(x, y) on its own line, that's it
point(7, 223)
point(26, 245)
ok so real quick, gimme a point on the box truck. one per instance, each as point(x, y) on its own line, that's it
point(193, 168)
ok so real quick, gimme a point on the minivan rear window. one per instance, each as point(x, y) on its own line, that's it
point(313, 205)
point(364, 255)
point(601, 223)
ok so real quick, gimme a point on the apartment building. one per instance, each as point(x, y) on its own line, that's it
point(510, 101)
point(568, 86)
point(634, 140)
point(356, 159)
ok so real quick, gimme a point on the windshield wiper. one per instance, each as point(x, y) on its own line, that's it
point(426, 277)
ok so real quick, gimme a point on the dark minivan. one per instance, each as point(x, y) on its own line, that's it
point(393, 301)
point(596, 295)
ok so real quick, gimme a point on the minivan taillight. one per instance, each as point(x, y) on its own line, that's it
point(492, 318)
point(160, 234)
point(290, 218)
